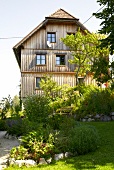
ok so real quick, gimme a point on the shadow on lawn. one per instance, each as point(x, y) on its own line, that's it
point(90, 161)
point(103, 156)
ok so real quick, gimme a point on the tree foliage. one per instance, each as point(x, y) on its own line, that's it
point(6, 106)
point(37, 108)
point(107, 17)
point(85, 51)
point(9, 106)
point(50, 88)
point(16, 104)
point(101, 69)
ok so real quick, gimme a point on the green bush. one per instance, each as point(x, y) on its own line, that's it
point(97, 102)
point(19, 152)
point(83, 139)
point(19, 127)
point(37, 108)
point(34, 146)
point(55, 121)
point(14, 126)
point(77, 138)
point(91, 100)
point(74, 98)
point(2, 125)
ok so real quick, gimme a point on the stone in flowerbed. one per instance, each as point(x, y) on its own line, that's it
point(20, 163)
point(30, 162)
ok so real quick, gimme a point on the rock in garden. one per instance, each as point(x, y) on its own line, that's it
point(42, 161)
point(58, 156)
point(49, 160)
point(20, 163)
point(112, 115)
point(105, 118)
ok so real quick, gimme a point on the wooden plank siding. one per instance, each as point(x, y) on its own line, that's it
point(29, 81)
point(28, 61)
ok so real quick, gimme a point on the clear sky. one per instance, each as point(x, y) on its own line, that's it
point(19, 17)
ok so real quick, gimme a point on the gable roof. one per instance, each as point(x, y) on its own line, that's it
point(60, 15)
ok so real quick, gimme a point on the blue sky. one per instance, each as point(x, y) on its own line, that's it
point(19, 17)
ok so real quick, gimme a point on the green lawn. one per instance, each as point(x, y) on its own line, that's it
point(102, 159)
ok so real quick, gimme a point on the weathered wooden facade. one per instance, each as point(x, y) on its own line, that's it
point(42, 52)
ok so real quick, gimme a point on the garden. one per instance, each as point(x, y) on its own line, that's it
point(101, 159)
point(47, 127)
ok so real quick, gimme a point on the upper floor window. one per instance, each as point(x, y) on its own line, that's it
point(40, 59)
point(51, 37)
point(60, 59)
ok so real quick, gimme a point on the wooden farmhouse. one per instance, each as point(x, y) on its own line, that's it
point(42, 52)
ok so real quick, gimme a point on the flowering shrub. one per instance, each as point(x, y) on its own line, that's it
point(19, 152)
point(34, 147)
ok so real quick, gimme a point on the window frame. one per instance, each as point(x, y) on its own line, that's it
point(61, 62)
point(40, 59)
point(50, 38)
point(37, 83)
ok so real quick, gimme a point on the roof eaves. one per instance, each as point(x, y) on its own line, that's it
point(30, 34)
point(17, 57)
point(82, 26)
point(53, 18)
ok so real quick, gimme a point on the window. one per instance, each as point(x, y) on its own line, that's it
point(80, 80)
point(38, 79)
point(70, 33)
point(40, 59)
point(60, 59)
point(51, 37)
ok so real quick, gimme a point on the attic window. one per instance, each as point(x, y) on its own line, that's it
point(51, 37)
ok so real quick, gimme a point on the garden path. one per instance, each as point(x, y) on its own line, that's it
point(5, 146)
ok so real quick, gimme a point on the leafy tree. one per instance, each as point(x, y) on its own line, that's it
point(107, 17)
point(103, 71)
point(15, 100)
point(37, 108)
point(84, 51)
point(6, 106)
point(16, 104)
point(50, 88)
point(9, 106)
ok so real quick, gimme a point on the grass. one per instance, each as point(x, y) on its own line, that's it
point(101, 159)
